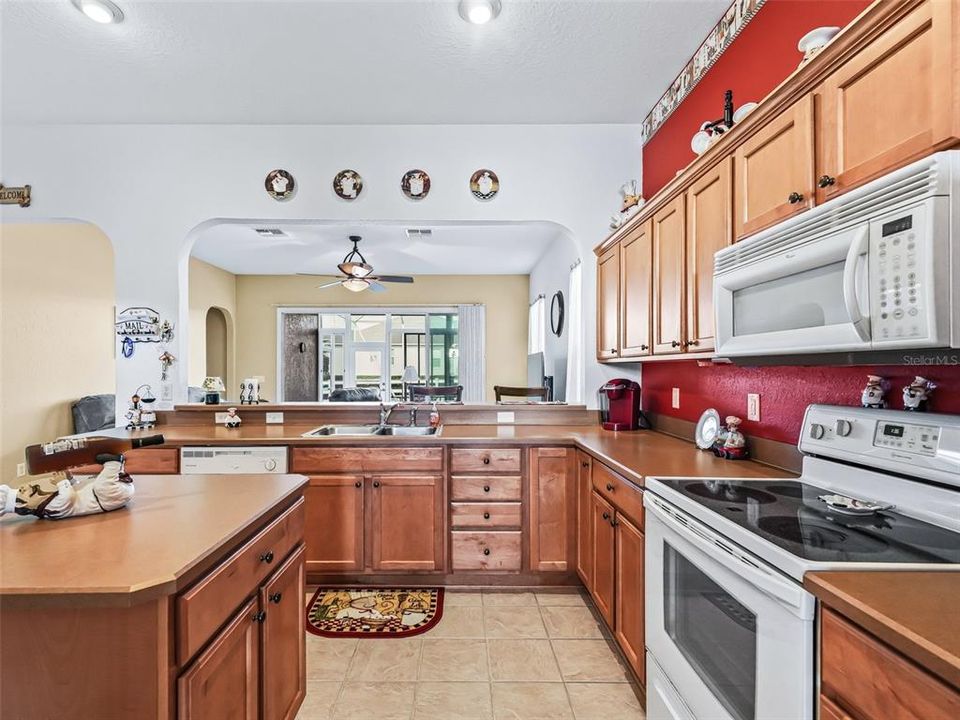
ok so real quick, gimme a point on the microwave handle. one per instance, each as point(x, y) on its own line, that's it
point(858, 248)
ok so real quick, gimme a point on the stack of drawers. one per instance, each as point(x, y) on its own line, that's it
point(486, 509)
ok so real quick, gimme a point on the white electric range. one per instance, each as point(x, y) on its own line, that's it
point(730, 628)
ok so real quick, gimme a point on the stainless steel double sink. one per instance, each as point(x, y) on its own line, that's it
point(371, 431)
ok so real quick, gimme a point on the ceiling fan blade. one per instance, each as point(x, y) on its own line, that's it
point(375, 286)
point(329, 285)
point(395, 278)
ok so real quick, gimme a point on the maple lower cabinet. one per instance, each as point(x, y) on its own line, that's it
point(773, 170)
point(334, 527)
point(604, 557)
point(668, 228)
point(636, 291)
point(283, 641)
point(608, 304)
point(406, 528)
point(629, 608)
point(584, 520)
point(709, 228)
point(552, 472)
point(894, 101)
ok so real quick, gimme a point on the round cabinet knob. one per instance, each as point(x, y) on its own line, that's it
point(585, 464)
point(644, 347)
point(486, 461)
point(844, 428)
point(486, 488)
point(275, 598)
point(606, 516)
point(270, 464)
point(486, 516)
point(486, 551)
point(674, 343)
point(826, 181)
point(358, 484)
point(609, 487)
point(376, 483)
point(816, 431)
point(794, 197)
point(259, 616)
point(267, 557)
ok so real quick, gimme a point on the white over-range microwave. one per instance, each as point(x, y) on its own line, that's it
point(873, 270)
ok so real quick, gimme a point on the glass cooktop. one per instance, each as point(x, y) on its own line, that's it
point(789, 514)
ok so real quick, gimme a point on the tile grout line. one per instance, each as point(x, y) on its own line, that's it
point(566, 690)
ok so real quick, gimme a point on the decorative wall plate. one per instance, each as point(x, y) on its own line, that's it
point(708, 428)
point(348, 184)
point(280, 184)
point(484, 184)
point(415, 184)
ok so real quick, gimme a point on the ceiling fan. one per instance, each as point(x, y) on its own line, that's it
point(359, 273)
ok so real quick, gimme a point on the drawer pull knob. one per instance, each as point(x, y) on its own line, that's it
point(644, 347)
point(585, 464)
point(275, 598)
point(486, 551)
point(674, 343)
point(486, 461)
point(376, 483)
point(259, 616)
point(486, 488)
point(267, 557)
point(358, 483)
point(606, 516)
point(486, 516)
point(826, 181)
point(610, 487)
point(794, 197)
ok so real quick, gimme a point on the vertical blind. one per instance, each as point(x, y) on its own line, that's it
point(473, 356)
point(574, 322)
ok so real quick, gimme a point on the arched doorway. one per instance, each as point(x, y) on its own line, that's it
point(218, 348)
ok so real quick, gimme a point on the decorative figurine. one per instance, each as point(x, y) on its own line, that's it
point(872, 395)
point(233, 419)
point(630, 205)
point(734, 444)
point(917, 394)
point(140, 414)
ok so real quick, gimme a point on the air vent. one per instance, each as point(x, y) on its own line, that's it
point(419, 232)
point(269, 232)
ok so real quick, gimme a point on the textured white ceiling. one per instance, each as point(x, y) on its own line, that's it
point(356, 62)
point(317, 247)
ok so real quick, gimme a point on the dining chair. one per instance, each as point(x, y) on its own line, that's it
point(502, 391)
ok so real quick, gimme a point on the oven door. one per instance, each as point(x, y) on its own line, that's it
point(734, 636)
point(809, 298)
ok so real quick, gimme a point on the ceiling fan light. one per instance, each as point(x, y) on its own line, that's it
point(355, 269)
point(103, 12)
point(355, 284)
point(479, 12)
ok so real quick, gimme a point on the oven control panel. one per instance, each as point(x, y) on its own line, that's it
point(922, 445)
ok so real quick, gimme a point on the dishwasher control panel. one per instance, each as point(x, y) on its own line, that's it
point(233, 460)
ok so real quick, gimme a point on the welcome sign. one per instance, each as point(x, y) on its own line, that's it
point(15, 195)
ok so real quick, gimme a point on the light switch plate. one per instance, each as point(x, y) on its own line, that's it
point(274, 418)
point(219, 418)
point(21, 469)
point(506, 417)
point(675, 398)
point(753, 407)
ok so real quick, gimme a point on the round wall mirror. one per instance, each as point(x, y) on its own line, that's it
point(556, 313)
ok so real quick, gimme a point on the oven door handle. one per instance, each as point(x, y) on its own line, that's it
point(784, 591)
point(851, 297)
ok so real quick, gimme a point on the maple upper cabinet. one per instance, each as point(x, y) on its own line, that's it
point(636, 286)
point(894, 101)
point(774, 169)
point(608, 304)
point(406, 530)
point(709, 228)
point(668, 225)
point(553, 473)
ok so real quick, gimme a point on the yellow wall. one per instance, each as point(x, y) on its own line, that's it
point(56, 331)
point(505, 297)
point(209, 287)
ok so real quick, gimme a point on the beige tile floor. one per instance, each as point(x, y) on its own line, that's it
point(493, 656)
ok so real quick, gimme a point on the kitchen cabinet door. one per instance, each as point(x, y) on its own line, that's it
point(608, 304)
point(224, 681)
point(895, 101)
point(334, 523)
point(709, 229)
point(406, 528)
point(552, 480)
point(283, 641)
point(773, 170)
point(668, 277)
point(636, 288)
point(604, 560)
point(629, 615)
point(584, 520)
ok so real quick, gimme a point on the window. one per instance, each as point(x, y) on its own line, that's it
point(321, 351)
point(537, 326)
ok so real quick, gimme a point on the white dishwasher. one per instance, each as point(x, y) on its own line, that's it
point(233, 460)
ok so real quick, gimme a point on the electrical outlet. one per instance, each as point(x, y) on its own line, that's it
point(675, 399)
point(219, 418)
point(274, 418)
point(21, 469)
point(506, 417)
point(753, 407)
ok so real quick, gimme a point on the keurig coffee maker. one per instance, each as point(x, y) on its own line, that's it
point(620, 406)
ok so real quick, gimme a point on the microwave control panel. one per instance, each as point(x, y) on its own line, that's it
point(898, 264)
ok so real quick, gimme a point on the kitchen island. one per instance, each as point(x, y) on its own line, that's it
point(189, 598)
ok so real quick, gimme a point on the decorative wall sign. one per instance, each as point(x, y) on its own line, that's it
point(142, 325)
point(415, 184)
point(733, 21)
point(557, 313)
point(484, 184)
point(280, 184)
point(348, 184)
point(15, 195)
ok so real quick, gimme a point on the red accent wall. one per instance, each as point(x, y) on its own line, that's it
point(756, 62)
point(785, 391)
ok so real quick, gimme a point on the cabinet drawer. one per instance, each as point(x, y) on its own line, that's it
point(204, 607)
point(492, 487)
point(486, 550)
point(145, 461)
point(485, 460)
point(871, 681)
point(354, 459)
point(622, 494)
point(495, 515)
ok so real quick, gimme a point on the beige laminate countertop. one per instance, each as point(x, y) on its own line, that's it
point(915, 612)
point(174, 524)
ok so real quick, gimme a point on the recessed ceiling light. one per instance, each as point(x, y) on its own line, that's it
point(479, 12)
point(100, 11)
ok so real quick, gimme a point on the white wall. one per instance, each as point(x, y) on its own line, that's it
point(149, 186)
